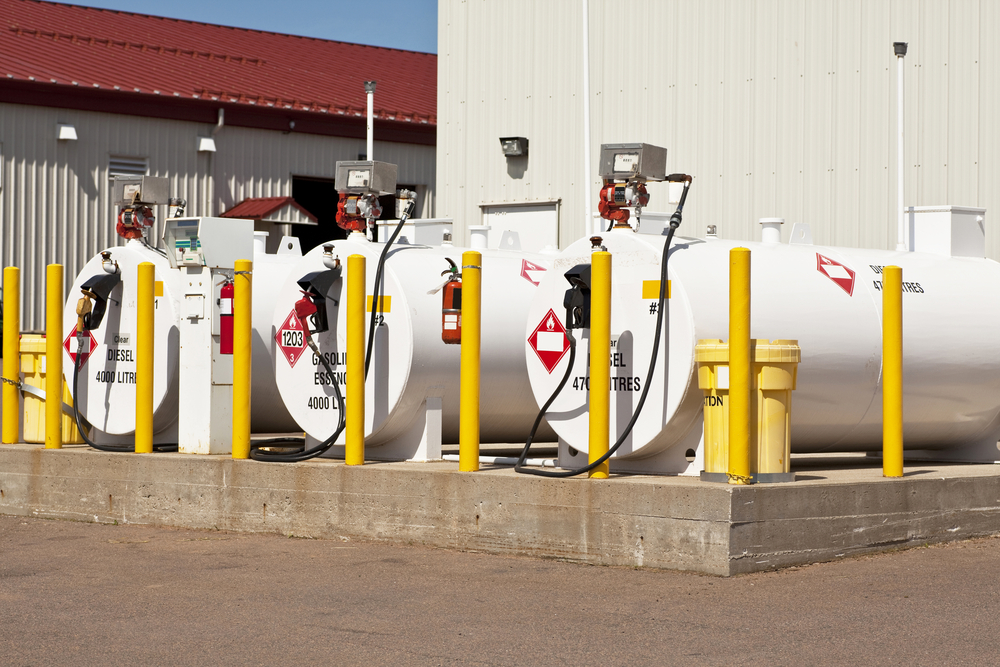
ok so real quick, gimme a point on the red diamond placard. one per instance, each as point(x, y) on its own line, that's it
point(291, 339)
point(72, 346)
point(837, 272)
point(549, 341)
point(532, 272)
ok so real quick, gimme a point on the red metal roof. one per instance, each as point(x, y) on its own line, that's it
point(258, 208)
point(76, 48)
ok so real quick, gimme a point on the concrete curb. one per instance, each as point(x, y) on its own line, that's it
point(659, 522)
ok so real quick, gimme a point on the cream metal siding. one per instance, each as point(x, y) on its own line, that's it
point(55, 195)
point(778, 107)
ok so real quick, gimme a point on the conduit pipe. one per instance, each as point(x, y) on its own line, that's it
point(11, 353)
point(901, 241)
point(370, 142)
point(504, 460)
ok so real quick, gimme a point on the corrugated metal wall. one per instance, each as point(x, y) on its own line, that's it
point(55, 195)
point(781, 108)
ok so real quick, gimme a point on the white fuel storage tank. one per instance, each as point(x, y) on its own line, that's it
point(412, 390)
point(827, 298)
point(106, 395)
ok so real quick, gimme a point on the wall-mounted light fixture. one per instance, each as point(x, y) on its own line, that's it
point(514, 146)
point(66, 132)
point(206, 145)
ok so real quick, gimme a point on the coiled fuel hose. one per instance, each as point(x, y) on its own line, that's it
point(306, 454)
point(77, 364)
point(675, 222)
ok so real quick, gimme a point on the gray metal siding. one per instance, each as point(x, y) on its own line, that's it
point(777, 107)
point(55, 195)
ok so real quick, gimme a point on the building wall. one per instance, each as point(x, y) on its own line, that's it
point(783, 108)
point(55, 196)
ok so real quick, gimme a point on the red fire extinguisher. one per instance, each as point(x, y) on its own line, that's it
point(451, 306)
point(226, 317)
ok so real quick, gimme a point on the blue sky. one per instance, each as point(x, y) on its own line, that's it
point(400, 24)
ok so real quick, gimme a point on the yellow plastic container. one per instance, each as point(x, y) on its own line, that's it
point(33, 367)
point(775, 373)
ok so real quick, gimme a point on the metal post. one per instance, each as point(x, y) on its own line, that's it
point(53, 356)
point(892, 371)
point(740, 367)
point(600, 354)
point(468, 420)
point(370, 143)
point(11, 352)
point(144, 359)
point(242, 356)
point(901, 242)
point(355, 428)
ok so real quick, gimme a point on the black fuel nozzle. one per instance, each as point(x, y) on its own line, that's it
point(99, 289)
point(314, 288)
point(577, 298)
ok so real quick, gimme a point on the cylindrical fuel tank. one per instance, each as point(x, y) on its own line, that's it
point(829, 299)
point(410, 362)
point(107, 378)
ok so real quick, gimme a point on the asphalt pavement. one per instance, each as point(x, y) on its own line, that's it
point(87, 594)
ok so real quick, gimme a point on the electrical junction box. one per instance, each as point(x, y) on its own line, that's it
point(366, 178)
point(148, 190)
point(213, 242)
point(633, 162)
point(951, 231)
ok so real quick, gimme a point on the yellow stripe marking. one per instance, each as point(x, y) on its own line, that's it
point(386, 302)
point(651, 289)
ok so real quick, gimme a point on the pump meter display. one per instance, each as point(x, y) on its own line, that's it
point(366, 178)
point(135, 190)
point(633, 162)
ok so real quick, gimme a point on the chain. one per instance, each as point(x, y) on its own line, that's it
point(16, 383)
point(242, 273)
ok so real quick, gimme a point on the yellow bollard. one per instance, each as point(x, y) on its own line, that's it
point(468, 420)
point(11, 352)
point(242, 356)
point(354, 453)
point(740, 367)
point(600, 355)
point(53, 355)
point(892, 371)
point(144, 358)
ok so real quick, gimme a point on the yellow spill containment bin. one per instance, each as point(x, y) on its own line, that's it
point(33, 367)
point(775, 371)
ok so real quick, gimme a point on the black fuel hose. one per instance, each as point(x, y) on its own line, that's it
point(77, 364)
point(305, 454)
point(519, 466)
point(675, 222)
point(378, 285)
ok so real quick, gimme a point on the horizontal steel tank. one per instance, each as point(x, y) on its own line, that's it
point(829, 299)
point(412, 390)
point(106, 395)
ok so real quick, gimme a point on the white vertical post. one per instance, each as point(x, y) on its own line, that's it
point(585, 5)
point(901, 240)
point(370, 145)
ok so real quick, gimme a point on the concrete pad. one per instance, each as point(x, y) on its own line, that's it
point(662, 522)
